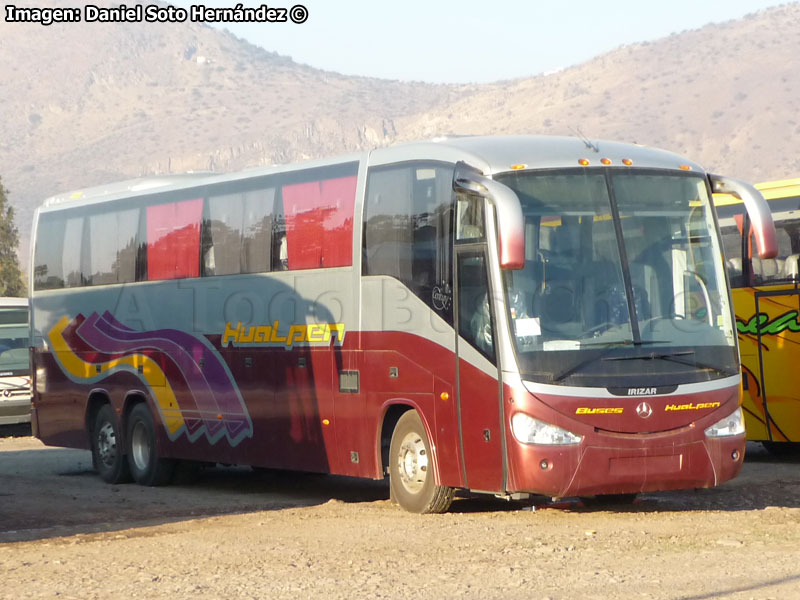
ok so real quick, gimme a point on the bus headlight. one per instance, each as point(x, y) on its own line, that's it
point(733, 424)
point(533, 431)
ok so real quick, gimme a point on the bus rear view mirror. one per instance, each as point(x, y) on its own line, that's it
point(510, 222)
point(757, 210)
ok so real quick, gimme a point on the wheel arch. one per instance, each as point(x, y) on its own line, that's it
point(132, 398)
point(392, 411)
point(96, 399)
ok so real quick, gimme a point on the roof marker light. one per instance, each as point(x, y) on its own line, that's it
point(627, 162)
point(583, 162)
point(605, 161)
point(685, 168)
point(518, 167)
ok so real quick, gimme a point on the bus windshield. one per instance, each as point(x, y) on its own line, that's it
point(14, 341)
point(619, 266)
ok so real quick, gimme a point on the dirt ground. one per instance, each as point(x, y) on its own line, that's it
point(232, 533)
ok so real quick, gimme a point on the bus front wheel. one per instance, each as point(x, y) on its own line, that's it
point(108, 456)
point(147, 468)
point(411, 478)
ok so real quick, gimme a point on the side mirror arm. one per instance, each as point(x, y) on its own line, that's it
point(757, 210)
point(510, 221)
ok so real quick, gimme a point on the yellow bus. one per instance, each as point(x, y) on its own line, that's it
point(766, 298)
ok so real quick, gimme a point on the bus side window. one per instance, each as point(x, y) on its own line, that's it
point(222, 232)
point(280, 251)
point(113, 237)
point(475, 323)
point(319, 219)
point(469, 219)
point(73, 257)
point(173, 239)
point(387, 229)
point(257, 230)
point(48, 270)
point(408, 220)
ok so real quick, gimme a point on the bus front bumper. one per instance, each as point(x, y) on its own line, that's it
point(587, 470)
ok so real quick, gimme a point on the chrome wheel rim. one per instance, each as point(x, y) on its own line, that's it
point(140, 446)
point(412, 463)
point(107, 444)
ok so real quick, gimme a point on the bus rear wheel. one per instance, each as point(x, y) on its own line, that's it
point(147, 468)
point(108, 456)
point(411, 479)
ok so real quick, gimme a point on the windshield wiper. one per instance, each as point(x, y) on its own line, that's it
point(607, 347)
point(653, 355)
point(672, 357)
point(616, 343)
point(668, 356)
point(570, 370)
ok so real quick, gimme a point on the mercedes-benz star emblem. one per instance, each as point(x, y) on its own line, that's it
point(644, 410)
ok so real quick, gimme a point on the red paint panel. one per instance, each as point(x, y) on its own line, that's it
point(425, 371)
point(319, 223)
point(480, 419)
point(173, 240)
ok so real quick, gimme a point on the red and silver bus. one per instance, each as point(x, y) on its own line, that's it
point(509, 315)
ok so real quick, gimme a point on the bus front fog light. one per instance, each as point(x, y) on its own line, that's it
point(544, 465)
point(733, 424)
point(735, 455)
point(533, 431)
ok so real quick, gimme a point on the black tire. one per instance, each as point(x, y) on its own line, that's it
point(147, 467)
point(411, 481)
point(108, 452)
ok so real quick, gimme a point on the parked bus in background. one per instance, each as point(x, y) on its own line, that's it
point(508, 315)
point(15, 380)
point(766, 298)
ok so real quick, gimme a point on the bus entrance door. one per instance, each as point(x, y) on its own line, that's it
point(479, 401)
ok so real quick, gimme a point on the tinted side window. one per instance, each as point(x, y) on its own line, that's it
point(470, 225)
point(239, 227)
point(112, 246)
point(475, 323)
point(73, 262)
point(48, 272)
point(408, 224)
point(257, 230)
point(224, 226)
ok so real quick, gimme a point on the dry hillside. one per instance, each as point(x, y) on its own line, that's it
point(728, 95)
point(90, 102)
point(86, 103)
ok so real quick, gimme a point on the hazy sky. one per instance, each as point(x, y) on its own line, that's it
point(469, 41)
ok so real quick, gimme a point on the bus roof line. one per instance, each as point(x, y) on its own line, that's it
point(489, 154)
